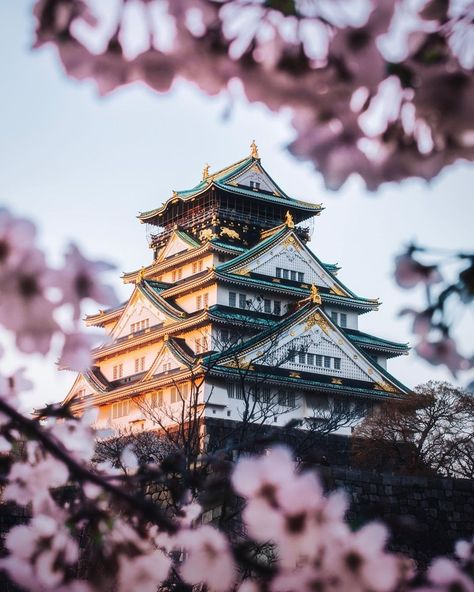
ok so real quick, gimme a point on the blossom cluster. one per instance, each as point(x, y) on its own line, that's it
point(433, 325)
point(360, 103)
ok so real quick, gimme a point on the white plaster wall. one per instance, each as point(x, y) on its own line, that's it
point(188, 302)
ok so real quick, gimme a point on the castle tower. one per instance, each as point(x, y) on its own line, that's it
point(236, 308)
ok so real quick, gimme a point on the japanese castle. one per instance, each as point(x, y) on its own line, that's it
point(235, 308)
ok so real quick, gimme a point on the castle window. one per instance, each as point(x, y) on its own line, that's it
point(139, 364)
point(337, 363)
point(199, 302)
point(174, 394)
point(225, 335)
point(310, 358)
point(267, 305)
point(156, 399)
point(301, 357)
point(343, 319)
point(206, 300)
point(300, 276)
point(327, 362)
point(319, 360)
point(242, 301)
point(286, 274)
point(277, 307)
point(117, 371)
point(293, 275)
point(255, 185)
point(278, 272)
point(232, 299)
point(334, 317)
point(286, 399)
point(120, 409)
point(235, 391)
point(166, 367)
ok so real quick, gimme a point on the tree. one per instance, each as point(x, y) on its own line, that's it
point(431, 431)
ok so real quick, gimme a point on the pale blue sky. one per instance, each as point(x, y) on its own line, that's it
point(83, 167)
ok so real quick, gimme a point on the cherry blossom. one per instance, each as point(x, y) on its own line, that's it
point(208, 559)
point(80, 279)
point(29, 482)
point(38, 552)
point(143, 573)
point(409, 272)
point(443, 351)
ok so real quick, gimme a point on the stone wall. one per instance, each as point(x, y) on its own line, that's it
point(425, 515)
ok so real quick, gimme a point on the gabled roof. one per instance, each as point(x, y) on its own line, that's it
point(224, 179)
point(281, 235)
point(318, 316)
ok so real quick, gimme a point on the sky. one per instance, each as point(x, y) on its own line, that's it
point(82, 168)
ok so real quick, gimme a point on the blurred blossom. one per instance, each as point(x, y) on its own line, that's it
point(81, 279)
point(409, 272)
point(422, 320)
point(76, 352)
point(444, 352)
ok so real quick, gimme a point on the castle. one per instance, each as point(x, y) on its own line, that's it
point(235, 315)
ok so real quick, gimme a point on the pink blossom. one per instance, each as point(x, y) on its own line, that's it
point(76, 352)
point(208, 559)
point(39, 553)
point(422, 320)
point(445, 573)
point(465, 550)
point(143, 573)
point(24, 307)
point(444, 352)
point(409, 272)
point(17, 238)
point(29, 482)
point(76, 436)
point(80, 279)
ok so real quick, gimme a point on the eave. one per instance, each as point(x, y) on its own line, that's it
point(186, 256)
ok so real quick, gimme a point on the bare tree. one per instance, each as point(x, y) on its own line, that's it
point(431, 431)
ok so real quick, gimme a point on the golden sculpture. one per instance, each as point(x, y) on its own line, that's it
point(315, 295)
point(230, 233)
point(205, 172)
point(289, 220)
point(254, 150)
point(140, 276)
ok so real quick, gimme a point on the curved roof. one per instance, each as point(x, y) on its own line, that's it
point(223, 179)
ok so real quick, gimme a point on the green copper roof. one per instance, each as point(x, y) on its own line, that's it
point(152, 291)
point(221, 179)
point(367, 340)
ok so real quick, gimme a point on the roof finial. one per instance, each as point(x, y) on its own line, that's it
point(315, 295)
point(140, 276)
point(205, 172)
point(254, 150)
point(289, 220)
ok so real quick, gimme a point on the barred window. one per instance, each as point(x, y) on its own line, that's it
point(278, 272)
point(293, 275)
point(232, 299)
point(173, 394)
point(277, 307)
point(327, 362)
point(334, 316)
point(319, 360)
point(267, 305)
point(235, 391)
point(242, 301)
point(301, 357)
point(337, 363)
point(206, 300)
point(310, 358)
point(343, 319)
point(300, 276)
